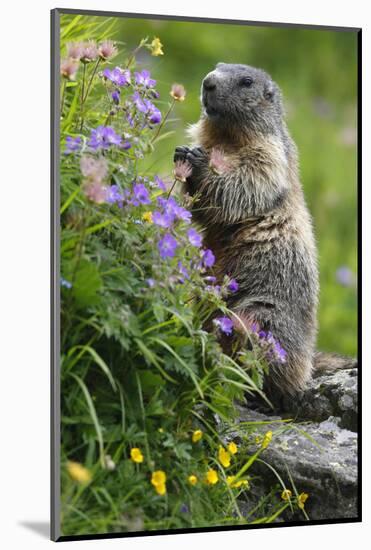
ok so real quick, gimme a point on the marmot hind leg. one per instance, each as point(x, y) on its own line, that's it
point(284, 378)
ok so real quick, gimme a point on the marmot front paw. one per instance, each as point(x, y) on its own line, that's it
point(197, 158)
point(181, 153)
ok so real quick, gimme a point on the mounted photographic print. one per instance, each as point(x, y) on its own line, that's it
point(205, 342)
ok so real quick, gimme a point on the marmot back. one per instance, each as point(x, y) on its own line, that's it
point(249, 200)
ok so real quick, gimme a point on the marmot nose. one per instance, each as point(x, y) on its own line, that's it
point(209, 83)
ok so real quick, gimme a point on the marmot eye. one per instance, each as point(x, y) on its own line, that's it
point(246, 81)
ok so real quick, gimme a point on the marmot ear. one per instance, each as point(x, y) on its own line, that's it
point(269, 91)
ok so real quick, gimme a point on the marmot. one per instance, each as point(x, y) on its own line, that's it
point(255, 218)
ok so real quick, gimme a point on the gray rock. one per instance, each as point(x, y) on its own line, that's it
point(320, 453)
point(332, 394)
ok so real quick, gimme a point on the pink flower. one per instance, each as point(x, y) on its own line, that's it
point(107, 49)
point(96, 192)
point(69, 68)
point(89, 51)
point(74, 50)
point(182, 170)
point(178, 92)
point(94, 169)
point(218, 162)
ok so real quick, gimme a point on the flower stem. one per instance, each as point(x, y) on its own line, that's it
point(82, 97)
point(134, 52)
point(171, 188)
point(62, 97)
point(163, 121)
point(91, 79)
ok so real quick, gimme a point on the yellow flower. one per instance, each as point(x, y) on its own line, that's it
point(136, 455)
point(258, 439)
point(232, 448)
point(286, 494)
point(161, 430)
point(267, 439)
point(192, 479)
point(224, 457)
point(160, 489)
point(238, 483)
point(196, 436)
point(212, 477)
point(156, 47)
point(78, 472)
point(158, 480)
point(302, 499)
point(147, 217)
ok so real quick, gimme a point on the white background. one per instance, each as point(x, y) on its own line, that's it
point(24, 287)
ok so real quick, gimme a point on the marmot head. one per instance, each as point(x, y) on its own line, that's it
point(240, 96)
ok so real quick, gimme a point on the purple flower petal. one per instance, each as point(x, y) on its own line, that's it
point(225, 324)
point(141, 194)
point(194, 238)
point(208, 258)
point(233, 285)
point(72, 144)
point(167, 246)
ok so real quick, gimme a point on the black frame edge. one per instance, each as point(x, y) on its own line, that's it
point(55, 298)
point(203, 19)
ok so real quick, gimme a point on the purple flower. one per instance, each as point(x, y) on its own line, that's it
point(146, 106)
point(118, 76)
point(160, 184)
point(184, 509)
point(183, 214)
point(255, 327)
point(345, 276)
point(72, 144)
point(130, 119)
point(150, 282)
point(272, 348)
point(233, 285)
point(103, 137)
point(225, 324)
point(116, 97)
point(167, 246)
point(138, 102)
point(141, 194)
point(210, 279)
point(126, 145)
point(279, 352)
point(152, 112)
point(163, 220)
point(114, 195)
point(144, 79)
point(183, 271)
point(171, 207)
point(208, 258)
point(194, 238)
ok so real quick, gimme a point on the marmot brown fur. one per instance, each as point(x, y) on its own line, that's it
point(254, 215)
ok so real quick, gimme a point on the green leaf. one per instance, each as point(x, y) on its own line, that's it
point(86, 284)
point(93, 415)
